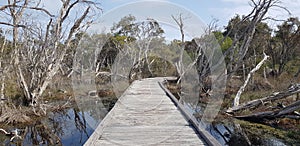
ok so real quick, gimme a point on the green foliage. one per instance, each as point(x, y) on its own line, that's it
point(281, 44)
point(119, 39)
point(236, 26)
point(256, 130)
point(125, 26)
point(225, 43)
point(128, 26)
point(284, 44)
point(293, 65)
point(152, 66)
point(161, 67)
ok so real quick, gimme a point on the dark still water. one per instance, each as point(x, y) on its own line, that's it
point(71, 126)
point(68, 127)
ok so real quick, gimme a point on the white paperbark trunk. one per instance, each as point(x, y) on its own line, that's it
point(242, 88)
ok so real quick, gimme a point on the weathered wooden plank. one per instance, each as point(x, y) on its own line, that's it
point(209, 139)
point(150, 135)
point(144, 115)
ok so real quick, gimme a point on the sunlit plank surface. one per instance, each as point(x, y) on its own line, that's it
point(144, 115)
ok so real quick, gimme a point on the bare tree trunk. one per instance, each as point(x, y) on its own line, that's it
point(40, 60)
point(179, 64)
point(260, 9)
point(2, 71)
point(242, 88)
point(2, 88)
point(244, 72)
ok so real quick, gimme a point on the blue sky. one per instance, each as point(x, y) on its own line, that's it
point(207, 10)
point(222, 10)
point(204, 10)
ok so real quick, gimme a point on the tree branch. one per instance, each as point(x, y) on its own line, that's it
point(12, 25)
point(242, 88)
point(42, 9)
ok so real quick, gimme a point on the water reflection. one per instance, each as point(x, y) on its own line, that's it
point(65, 127)
point(229, 131)
point(70, 126)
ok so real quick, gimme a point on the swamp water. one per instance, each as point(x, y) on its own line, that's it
point(234, 132)
point(73, 126)
point(68, 127)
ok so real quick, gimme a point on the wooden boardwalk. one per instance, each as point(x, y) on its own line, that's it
point(145, 115)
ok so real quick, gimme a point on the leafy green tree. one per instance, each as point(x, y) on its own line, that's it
point(139, 35)
point(283, 46)
point(110, 50)
point(225, 42)
point(125, 27)
point(128, 26)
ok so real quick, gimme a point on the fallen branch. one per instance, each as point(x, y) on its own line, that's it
point(270, 115)
point(273, 97)
point(14, 134)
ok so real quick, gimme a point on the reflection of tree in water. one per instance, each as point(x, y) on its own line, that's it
point(56, 129)
point(60, 122)
point(97, 108)
point(57, 120)
point(40, 134)
point(80, 122)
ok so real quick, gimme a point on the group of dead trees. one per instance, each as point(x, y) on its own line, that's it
point(242, 40)
point(38, 48)
point(252, 46)
point(251, 41)
point(38, 51)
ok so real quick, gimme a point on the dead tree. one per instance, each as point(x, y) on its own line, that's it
point(241, 40)
point(179, 64)
point(40, 51)
point(3, 69)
